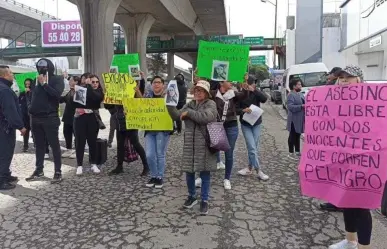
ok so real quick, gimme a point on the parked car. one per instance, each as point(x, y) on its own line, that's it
point(264, 84)
point(275, 94)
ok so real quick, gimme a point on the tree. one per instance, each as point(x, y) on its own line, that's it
point(260, 72)
point(157, 64)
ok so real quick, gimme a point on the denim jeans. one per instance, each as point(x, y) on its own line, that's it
point(232, 136)
point(252, 135)
point(205, 176)
point(156, 144)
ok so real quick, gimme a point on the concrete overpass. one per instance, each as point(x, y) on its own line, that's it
point(17, 19)
point(140, 18)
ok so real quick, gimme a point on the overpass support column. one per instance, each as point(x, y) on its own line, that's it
point(170, 65)
point(97, 19)
point(136, 30)
point(73, 62)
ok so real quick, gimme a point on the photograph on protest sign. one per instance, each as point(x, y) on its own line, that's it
point(172, 96)
point(220, 70)
point(134, 71)
point(113, 69)
point(235, 56)
point(343, 159)
point(80, 95)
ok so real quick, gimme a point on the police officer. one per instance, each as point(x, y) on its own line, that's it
point(10, 121)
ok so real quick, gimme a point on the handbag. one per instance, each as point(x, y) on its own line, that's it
point(101, 125)
point(217, 134)
point(130, 154)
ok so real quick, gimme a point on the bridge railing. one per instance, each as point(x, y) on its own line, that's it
point(33, 10)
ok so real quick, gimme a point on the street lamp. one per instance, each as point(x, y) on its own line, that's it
point(275, 23)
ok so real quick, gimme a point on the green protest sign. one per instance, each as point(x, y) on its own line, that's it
point(20, 78)
point(122, 62)
point(221, 62)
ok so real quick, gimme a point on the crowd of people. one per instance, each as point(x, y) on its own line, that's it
point(36, 110)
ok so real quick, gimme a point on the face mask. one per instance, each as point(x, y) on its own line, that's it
point(42, 70)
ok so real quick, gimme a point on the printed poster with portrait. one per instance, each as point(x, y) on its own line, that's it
point(172, 96)
point(222, 62)
point(80, 95)
point(134, 71)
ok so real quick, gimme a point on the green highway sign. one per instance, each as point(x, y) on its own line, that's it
point(258, 40)
point(258, 60)
point(153, 42)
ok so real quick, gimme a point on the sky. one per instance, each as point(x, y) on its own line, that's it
point(246, 17)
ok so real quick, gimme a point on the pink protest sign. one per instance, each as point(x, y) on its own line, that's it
point(61, 33)
point(344, 158)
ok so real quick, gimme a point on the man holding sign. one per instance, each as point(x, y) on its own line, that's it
point(343, 160)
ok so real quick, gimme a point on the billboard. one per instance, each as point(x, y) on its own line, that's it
point(61, 33)
point(309, 31)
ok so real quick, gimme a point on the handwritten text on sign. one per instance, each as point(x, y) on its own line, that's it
point(344, 158)
point(147, 114)
point(118, 86)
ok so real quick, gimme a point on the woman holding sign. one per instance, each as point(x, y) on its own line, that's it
point(86, 123)
point(357, 221)
point(156, 142)
point(197, 156)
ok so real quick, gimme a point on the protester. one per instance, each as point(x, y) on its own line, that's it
point(250, 132)
point(24, 99)
point(68, 117)
point(182, 87)
point(357, 221)
point(45, 117)
point(332, 76)
point(86, 123)
point(156, 142)
point(10, 121)
point(123, 134)
point(196, 154)
point(296, 118)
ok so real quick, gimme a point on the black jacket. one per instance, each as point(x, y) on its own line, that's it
point(253, 98)
point(10, 113)
point(69, 111)
point(24, 100)
point(182, 88)
point(45, 99)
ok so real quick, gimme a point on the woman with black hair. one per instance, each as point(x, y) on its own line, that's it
point(86, 123)
point(68, 117)
point(24, 99)
point(123, 133)
point(296, 117)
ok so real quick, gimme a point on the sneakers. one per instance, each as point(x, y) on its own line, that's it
point(159, 183)
point(190, 202)
point(198, 182)
point(6, 185)
point(345, 244)
point(35, 176)
point(151, 183)
point(220, 165)
point(227, 184)
point(262, 176)
point(67, 153)
point(79, 171)
point(116, 171)
point(298, 154)
point(46, 156)
point(292, 156)
point(57, 178)
point(25, 149)
point(204, 208)
point(245, 172)
point(95, 169)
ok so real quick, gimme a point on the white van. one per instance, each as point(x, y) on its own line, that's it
point(311, 74)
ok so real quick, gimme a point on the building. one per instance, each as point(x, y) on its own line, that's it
point(364, 36)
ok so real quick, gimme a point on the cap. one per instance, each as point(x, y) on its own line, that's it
point(352, 70)
point(205, 85)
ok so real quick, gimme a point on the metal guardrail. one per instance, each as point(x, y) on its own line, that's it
point(33, 10)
